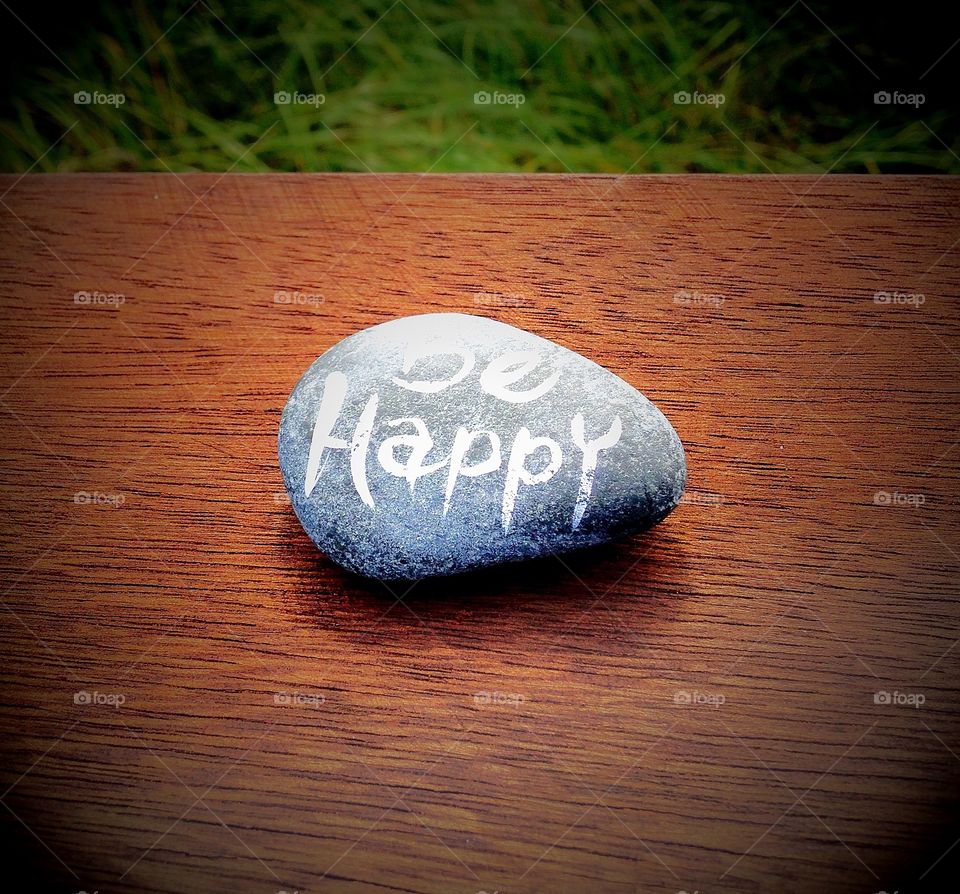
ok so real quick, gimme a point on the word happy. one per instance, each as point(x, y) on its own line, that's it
point(503, 378)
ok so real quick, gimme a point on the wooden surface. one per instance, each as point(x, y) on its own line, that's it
point(286, 726)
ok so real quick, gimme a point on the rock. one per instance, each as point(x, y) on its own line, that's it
point(434, 444)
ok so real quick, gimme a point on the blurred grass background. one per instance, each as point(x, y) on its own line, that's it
point(598, 82)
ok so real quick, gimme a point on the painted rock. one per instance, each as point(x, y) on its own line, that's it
point(434, 444)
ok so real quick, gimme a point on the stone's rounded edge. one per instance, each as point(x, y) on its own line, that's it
point(384, 563)
point(291, 486)
point(680, 485)
point(664, 492)
point(388, 561)
point(379, 569)
point(681, 475)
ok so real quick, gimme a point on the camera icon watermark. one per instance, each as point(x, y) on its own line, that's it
point(112, 699)
point(899, 699)
point(701, 498)
point(915, 299)
point(500, 299)
point(707, 299)
point(496, 98)
point(500, 699)
point(96, 498)
point(897, 498)
point(709, 699)
point(99, 299)
point(292, 296)
point(295, 98)
point(896, 98)
point(696, 98)
point(97, 98)
point(300, 699)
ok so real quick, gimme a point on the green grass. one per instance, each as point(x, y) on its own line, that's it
point(399, 83)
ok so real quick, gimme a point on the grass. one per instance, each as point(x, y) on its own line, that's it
point(598, 84)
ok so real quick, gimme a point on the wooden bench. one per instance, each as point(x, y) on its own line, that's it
point(759, 695)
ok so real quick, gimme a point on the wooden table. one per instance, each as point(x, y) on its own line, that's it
point(195, 699)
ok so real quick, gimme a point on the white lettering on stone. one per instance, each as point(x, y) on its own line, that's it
point(591, 450)
point(517, 472)
point(424, 386)
point(462, 443)
point(508, 369)
point(358, 449)
point(334, 391)
point(420, 445)
point(501, 373)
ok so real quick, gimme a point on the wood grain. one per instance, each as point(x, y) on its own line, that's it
point(287, 726)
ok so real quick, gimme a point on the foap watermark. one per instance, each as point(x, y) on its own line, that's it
point(710, 299)
point(513, 699)
point(496, 98)
point(300, 699)
point(99, 299)
point(499, 299)
point(896, 98)
point(113, 699)
point(914, 299)
point(686, 98)
point(98, 498)
point(897, 498)
point(292, 296)
point(295, 98)
point(97, 98)
point(710, 699)
point(900, 699)
point(699, 498)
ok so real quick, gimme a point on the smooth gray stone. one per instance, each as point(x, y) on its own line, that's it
point(388, 448)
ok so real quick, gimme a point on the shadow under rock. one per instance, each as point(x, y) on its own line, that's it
point(645, 571)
